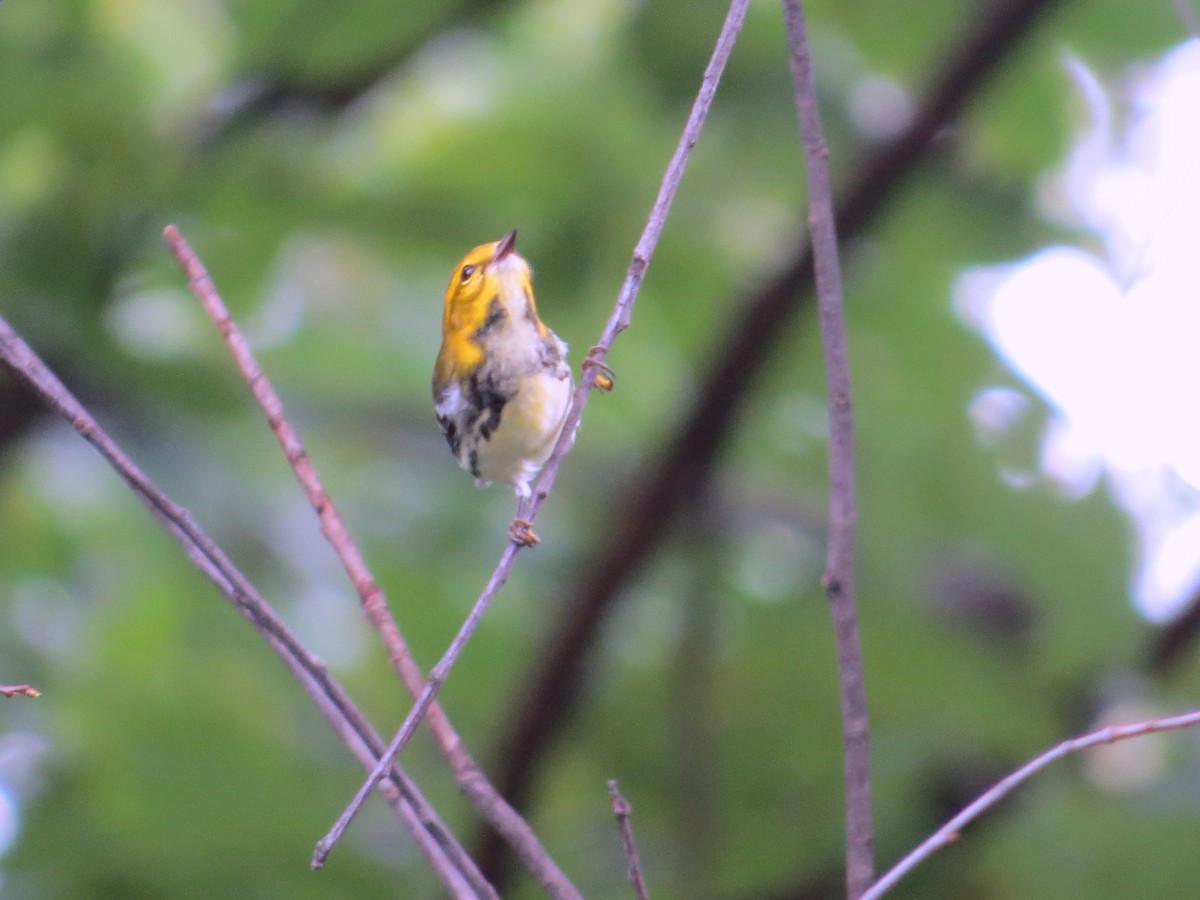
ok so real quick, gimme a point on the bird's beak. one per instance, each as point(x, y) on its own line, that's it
point(505, 245)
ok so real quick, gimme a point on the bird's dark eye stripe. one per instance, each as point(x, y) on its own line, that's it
point(467, 272)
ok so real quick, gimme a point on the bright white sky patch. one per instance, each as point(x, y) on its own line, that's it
point(1111, 339)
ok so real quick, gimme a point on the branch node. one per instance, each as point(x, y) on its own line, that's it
point(622, 811)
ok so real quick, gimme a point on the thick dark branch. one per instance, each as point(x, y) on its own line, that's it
point(655, 497)
point(1172, 640)
point(262, 95)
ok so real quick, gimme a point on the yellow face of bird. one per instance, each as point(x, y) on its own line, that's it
point(490, 270)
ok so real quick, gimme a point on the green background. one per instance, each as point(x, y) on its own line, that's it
point(331, 163)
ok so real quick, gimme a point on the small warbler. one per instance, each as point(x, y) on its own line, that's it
point(501, 384)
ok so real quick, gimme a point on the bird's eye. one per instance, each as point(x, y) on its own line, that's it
point(467, 272)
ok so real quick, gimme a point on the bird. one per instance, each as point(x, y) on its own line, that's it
point(502, 386)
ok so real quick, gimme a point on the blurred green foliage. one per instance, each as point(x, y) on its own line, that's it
point(331, 166)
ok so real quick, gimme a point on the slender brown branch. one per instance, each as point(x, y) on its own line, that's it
point(643, 251)
point(949, 832)
point(374, 606)
point(435, 840)
point(622, 810)
point(839, 564)
point(433, 684)
point(663, 487)
point(593, 365)
point(468, 774)
point(19, 690)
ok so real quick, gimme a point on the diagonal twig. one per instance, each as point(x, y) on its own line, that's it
point(375, 609)
point(592, 365)
point(663, 487)
point(949, 832)
point(839, 565)
point(622, 810)
point(436, 841)
point(437, 678)
point(374, 605)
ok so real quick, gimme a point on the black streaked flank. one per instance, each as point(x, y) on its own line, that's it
point(485, 401)
point(450, 430)
point(496, 315)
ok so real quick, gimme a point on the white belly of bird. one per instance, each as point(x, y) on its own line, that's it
point(529, 427)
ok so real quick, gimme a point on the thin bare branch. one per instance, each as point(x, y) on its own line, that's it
point(440, 847)
point(643, 251)
point(967, 62)
point(622, 810)
point(949, 832)
point(839, 564)
point(433, 684)
point(374, 605)
point(593, 372)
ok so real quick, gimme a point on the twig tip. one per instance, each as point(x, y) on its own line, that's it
point(19, 690)
point(320, 855)
point(621, 807)
point(621, 811)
